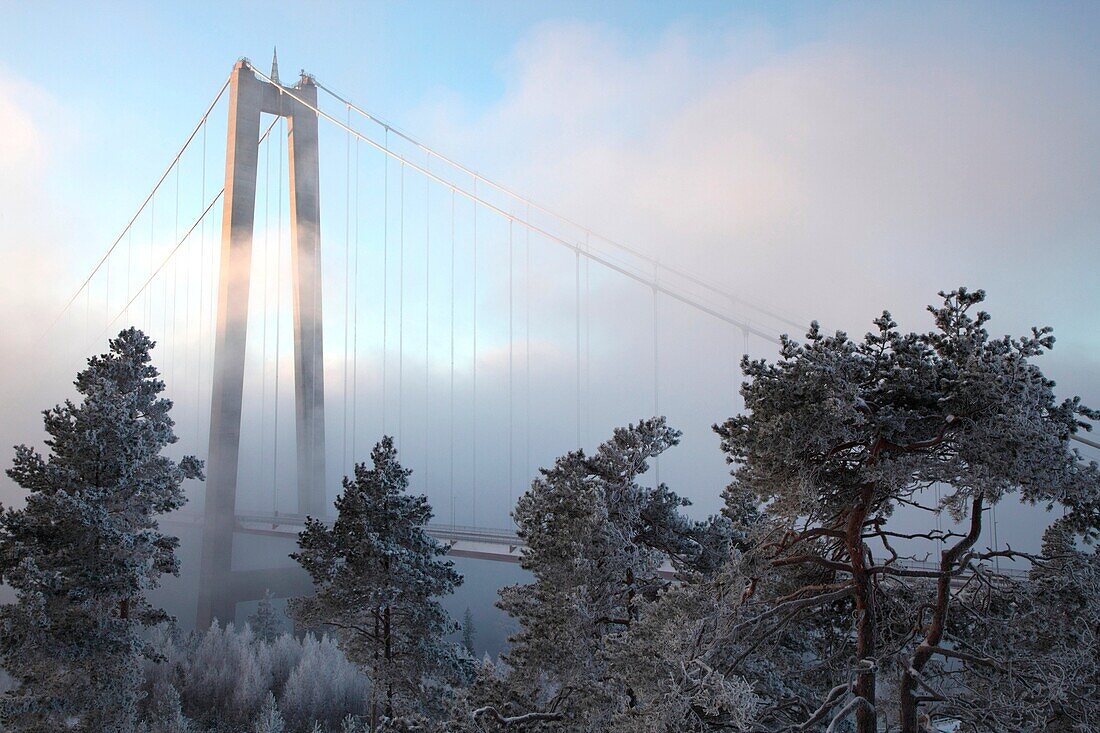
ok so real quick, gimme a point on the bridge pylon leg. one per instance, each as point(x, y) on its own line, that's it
point(250, 97)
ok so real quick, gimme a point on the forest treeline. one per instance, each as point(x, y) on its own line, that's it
point(805, 605)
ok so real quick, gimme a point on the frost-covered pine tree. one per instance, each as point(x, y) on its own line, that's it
point(269, 719)
point(378, 577)
point(596, 540)
point(265, 622)
point(468, 631)
point(1031, 660)
point(86, 548)
point(840, 433)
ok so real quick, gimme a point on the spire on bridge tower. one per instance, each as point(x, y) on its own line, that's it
point(275, 65)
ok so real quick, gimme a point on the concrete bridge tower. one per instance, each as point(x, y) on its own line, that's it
point(220, 587)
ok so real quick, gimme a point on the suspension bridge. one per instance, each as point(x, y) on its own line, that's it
point(424, 300)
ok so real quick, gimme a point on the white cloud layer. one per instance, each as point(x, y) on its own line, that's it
point(887, 159)
point(835, 177)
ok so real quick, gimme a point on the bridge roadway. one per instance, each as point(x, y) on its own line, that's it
point(496, 545)
point(499, 545)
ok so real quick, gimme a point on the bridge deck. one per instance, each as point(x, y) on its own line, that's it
point(496, 545)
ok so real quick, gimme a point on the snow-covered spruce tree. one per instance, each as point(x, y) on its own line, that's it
point(378, 576)
point(839, 433)
point(83, 552)
point(595, 542)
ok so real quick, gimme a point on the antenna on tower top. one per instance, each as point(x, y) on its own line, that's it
point(275, 65)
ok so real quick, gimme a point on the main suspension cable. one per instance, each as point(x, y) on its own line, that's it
point(148, 199)
point(159, 268)
point(529, 203)
point(602, 259)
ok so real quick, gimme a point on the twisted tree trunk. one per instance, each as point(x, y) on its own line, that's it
point(909, 702)
point(866, 717)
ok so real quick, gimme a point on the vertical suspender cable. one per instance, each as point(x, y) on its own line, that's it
point(734, 361)
point(175, 279)
point(347, 299)
point(129, 263)
point(148, 291)
point(186, 374)
point(385, 273)
point(355, 321)
point(511, 391)
point(202, 302)
point(587, 342)
point(107, 296)
point(401, 320)
point(164, 302)
point(656, 378)
point(427, 319)
point(577, 314)
point(451, 420)
point(527, 348)
point(474, 415)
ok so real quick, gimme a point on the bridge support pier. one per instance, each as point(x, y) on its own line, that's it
point(249, 98)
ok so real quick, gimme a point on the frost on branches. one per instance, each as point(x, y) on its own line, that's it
point(86, 548)
point(596, 541)
point(378, 575)
point(840, 433)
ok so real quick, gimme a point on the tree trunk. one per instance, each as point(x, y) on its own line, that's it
point(388, 634)
point(374, 676)
point(907, 692)
point(866, 717)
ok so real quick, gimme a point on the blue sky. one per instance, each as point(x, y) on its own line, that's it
point(833, 159)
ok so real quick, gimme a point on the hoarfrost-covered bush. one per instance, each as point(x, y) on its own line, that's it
point(283, 653)
point(225, 677)
point(324, 686)
point(268, 720)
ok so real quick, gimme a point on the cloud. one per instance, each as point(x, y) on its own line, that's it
point(833, 177)
point(30, 228)
point(879, 161)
